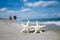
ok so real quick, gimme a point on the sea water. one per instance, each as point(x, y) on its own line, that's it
point(53, 23)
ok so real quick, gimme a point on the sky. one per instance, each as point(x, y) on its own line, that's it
point(30, 9)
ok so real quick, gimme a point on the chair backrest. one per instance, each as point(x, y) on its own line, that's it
point(28, 23)
point(37, 24)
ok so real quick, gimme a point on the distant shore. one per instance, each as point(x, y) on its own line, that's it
point(3, 18)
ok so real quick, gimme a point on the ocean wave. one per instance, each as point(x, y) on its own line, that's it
point(51, 22)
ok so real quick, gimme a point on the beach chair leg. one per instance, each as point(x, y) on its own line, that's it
point(22, 30)
point(27, 29)
point(35, 32)
point(41, 31)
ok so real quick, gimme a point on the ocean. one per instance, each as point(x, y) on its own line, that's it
point(53, 23)
point(41, 20)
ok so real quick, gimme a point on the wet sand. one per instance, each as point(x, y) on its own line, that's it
point(11, 31)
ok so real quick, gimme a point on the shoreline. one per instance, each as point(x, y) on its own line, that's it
point(7, 21)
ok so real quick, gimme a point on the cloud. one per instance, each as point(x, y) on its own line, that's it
point(3, 9)
point(25, 10)
point(49, 3)
point(24, 0)
point(41, 3)
point(6, 12)
point(43, 15)
point(12, 11)
point(57, 14)
point(35, 4)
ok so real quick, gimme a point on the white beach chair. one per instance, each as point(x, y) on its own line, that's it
point(38, 28)
point(25, 27)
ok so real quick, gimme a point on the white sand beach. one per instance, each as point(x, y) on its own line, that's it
point(11, 31)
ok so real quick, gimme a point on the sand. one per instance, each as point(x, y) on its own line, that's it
point(11, 31)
